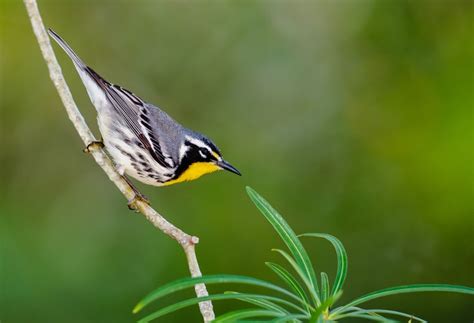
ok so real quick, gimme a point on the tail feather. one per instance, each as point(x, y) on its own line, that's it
point(77, 61)
point(95, 85)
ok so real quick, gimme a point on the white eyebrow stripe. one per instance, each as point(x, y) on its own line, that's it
point(199, 143)
point(196, 142)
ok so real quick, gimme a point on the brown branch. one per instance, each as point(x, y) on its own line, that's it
point(186, 241)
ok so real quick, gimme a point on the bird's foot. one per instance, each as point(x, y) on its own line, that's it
point(94, 145)
point(132, 203)
point(139, 197)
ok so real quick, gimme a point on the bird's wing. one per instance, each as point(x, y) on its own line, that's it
point(132, 110)
point(126, 104)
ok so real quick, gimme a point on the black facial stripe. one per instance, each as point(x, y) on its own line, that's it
point(211, 145)
point(191, 156)
point(209, 155)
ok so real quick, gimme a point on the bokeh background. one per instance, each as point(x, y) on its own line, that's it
point(351, 117)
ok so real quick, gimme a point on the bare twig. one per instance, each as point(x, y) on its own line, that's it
point(186, 241)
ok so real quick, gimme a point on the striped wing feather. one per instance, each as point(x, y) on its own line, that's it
point(131, 109)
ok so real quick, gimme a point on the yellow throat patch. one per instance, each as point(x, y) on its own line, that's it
point(193, 172)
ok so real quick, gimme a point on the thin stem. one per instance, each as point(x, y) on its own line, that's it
point(186, 241)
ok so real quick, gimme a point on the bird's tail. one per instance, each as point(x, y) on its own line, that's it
point(77, 61)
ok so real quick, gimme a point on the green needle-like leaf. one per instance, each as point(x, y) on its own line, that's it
point(374, 318)
point(407, 289)
point(288, 237)
point(324, 286)
point(268, 304)
point(292, 282)
point(303, 277)
point(245, 314)
point(184, 283)
point(379, 311)
point(341, 259)
point(317, 316)
point(289, 318)
point(263, 303)
point(189, 302)
point(303, 286)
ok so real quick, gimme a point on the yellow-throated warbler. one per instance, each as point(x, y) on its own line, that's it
point(143, 141)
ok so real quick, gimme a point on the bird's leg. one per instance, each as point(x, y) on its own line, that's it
point(121, 170)
point(138, 196)
point(94, 145)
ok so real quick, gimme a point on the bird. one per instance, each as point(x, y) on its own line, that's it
point(143, 141)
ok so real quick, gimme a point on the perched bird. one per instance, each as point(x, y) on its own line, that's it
point(144, 141)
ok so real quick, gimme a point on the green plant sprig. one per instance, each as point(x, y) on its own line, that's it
point(305, 300)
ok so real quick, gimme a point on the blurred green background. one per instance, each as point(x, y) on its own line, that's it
point(351, 117)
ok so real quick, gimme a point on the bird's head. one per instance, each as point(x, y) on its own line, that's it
point(198, 156)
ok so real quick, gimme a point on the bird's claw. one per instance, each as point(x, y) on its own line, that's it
point(139, 197)
point(96, 144)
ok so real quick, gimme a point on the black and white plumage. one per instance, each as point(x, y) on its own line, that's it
point(144, 141)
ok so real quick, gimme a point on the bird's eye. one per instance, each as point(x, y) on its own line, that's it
point(202, 153)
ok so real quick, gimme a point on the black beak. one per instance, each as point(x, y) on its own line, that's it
point(225, 165)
